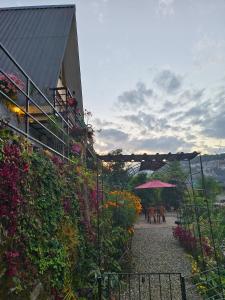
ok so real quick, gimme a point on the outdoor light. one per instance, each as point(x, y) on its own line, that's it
point(17, 110)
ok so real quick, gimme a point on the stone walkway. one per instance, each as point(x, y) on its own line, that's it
point(154, 249)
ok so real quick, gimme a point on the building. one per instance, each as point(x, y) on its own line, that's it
point(39, 51)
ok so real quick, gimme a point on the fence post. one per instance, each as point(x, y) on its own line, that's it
point(183, 289)
point(99, 288)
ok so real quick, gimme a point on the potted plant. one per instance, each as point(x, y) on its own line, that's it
point(72, 102)
point(77, 131)
point(8, 87)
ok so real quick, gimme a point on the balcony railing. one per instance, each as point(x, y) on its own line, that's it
point(46, 121)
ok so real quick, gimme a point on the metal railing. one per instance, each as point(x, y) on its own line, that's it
point(32, 114)
point(141, 286)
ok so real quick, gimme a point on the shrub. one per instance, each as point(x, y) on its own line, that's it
point(125, 208)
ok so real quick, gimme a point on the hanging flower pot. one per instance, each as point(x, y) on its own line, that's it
point(78, 131)
point(76, 148)
point(72, 102)
point(90, 132)
point(8, 87)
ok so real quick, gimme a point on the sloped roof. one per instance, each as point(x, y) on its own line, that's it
point(36, 37)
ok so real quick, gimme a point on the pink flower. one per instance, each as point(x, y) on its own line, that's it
point(72, 101)
point(12, 270)
point(57, 160)
point(11, 254)
point(76, 148)
point(9, 86)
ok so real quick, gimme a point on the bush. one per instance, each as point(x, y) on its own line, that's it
point(125, 207)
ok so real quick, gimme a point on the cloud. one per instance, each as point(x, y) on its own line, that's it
point(110, 139)
point(147, 121)
point(168, 81)
point(163, 144)
point(208, 51)
point(168, 105)
point(165, 7)
point(113, 135)
point(102, 123)
point(142, 119)
point(185, 118)
point(198, 112)
point(135, 98)
point(194, 95)
point(215, 126)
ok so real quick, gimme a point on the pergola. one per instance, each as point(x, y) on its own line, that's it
point(152, 162)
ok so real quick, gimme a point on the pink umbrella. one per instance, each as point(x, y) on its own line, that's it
point(155, 184)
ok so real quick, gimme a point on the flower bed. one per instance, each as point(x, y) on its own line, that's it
point(190, 242)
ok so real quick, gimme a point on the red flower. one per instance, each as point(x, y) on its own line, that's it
point(26, 167)
point(11, 257)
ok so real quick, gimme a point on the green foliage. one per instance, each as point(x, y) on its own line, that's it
point(115, 173)
point(176, 175)
point(52, 241)
point(201, 215)
point(147, 196)
point(40, 241)
point(212, 186)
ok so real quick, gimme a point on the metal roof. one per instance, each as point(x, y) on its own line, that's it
point(36, 37)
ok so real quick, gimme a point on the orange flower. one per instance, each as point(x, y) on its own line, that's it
point(128, 199)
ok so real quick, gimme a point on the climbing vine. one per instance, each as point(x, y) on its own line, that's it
point(49, 216)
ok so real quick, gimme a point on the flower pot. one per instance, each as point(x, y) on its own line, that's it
point(72, 102)
point(77, 131)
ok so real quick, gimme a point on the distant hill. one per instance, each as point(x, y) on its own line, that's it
point(213, 165)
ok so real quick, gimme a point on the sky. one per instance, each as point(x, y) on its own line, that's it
point(153, 72)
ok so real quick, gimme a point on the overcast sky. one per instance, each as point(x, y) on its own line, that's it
point(153, 72)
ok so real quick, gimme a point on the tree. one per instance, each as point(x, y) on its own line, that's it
point(212, 186)
point(148, 196)
point(115, 173)
point(176, 175)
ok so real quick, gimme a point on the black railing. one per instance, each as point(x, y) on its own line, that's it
point(31, 113)
point(142, 286)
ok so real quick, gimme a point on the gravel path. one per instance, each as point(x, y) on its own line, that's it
point(154, 249)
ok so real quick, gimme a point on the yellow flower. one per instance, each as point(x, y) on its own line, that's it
point(130, 230)
point(201, 288)
point(194, 267)
point(128, 199)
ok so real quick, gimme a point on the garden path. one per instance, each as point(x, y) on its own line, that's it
point(154, 249)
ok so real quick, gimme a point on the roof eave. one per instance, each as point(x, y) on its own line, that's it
point(39, 7)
